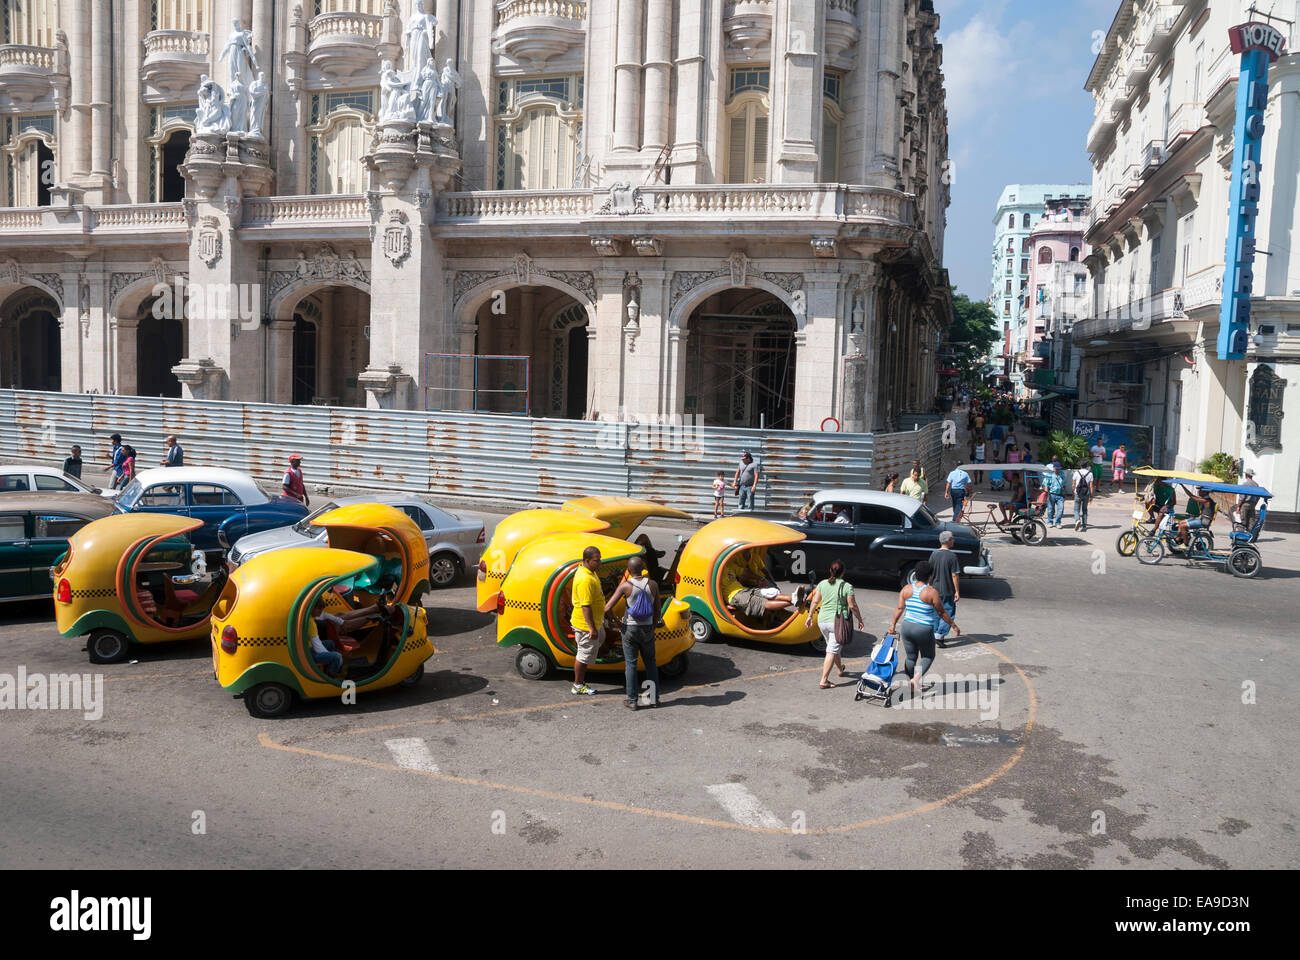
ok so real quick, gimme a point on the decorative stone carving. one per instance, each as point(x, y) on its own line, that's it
point(326, 265)
point(823, 247)
point(581, 280)
point(212, 116)
point(10, 270)
point(53, 281)
point(523, 268)
point(648, 246)
point(684, 281)
point(738, 264)
point(624, 199)
point(208, 240)
point(607, 246)
point(1265, 412)
point(419, 37)
point(398, 99)
point(397, 237)
point(259, 93)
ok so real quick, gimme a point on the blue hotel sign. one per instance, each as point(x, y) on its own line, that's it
point(1259, 45)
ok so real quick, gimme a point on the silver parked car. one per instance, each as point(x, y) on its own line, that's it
point(456, 541)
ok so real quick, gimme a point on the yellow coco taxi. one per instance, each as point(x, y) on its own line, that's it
point(262, 628)
point(535, 604)
point(513, 534)
point(389, 535)
point(708, 570)
point(133, 578)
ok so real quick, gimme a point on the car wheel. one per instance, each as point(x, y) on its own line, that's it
point(1245, 562)
point(676, 667)
point(1034, 532)
point(1127, 543)
point(444, 570)
point(906, 574)
point(106, 646)
point(268, 700)
point(532, 664)
point(701, 629)
point(818, 645)
point(414, 678)
point(1150, 550)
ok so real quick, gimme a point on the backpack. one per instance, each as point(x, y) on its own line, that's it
point(640, 606)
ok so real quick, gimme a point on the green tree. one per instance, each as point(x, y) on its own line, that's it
point(974, 330)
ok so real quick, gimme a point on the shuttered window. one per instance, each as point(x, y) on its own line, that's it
point(343, 146)
point(747, 143)
point(830, 165)
point(540, 151)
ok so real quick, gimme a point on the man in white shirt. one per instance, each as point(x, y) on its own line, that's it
point(1098, 456)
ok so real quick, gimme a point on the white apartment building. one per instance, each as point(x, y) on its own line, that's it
point(732, 209)
point(1165, 85)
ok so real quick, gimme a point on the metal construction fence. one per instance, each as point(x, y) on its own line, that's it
point(465, 457)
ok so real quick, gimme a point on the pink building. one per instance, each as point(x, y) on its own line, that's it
point(1058, 280)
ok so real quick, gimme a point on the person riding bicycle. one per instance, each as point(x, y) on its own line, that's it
point(1200, 514)
point(1164, 500)
point(1019, 499)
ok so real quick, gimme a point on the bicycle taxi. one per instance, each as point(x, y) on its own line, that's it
point(1144, 505)
point(1023, 523)
point(1241, 559)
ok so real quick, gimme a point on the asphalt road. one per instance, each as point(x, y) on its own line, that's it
point(1114, 732)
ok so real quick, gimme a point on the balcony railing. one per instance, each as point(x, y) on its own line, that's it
point(130, 217)
point(136, 215)
point(161, 43)
point(20, 218)
point(18, 55)
point(518, 204)
point(345, 26)
point(1153, 154)
point(329, 208)
point(559, 9)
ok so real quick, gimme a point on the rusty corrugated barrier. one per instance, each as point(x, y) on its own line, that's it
point(468, 456)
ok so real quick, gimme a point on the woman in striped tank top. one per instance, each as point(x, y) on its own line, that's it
point(921, 609)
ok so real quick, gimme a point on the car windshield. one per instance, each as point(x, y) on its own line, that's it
point(305, 525)
point(128, 497)
point(924, 518)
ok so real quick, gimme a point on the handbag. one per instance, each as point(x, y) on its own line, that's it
point(843, 625)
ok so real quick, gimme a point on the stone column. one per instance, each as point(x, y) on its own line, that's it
point(644, 342)
point(101, 97)
point(796, 90)
point(883, 126)
point(71, 343)
point(126, 379)
point(692, 98)
point(861, 365)
point(79, 42)
point(410, 309)
point(448, 14)
point(816, 385)
point(281, 361)
point(605, 344)
point(627, 77)
point(658, 76)
point(675, 349)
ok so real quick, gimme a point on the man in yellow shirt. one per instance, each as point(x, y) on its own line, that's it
point(588, 618)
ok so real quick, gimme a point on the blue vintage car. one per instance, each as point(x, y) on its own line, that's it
point(230, 503)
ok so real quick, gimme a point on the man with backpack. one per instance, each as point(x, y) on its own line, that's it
point(639, 621)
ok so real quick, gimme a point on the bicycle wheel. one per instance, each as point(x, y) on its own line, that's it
point(1201, 545)
point(1150, 550)
point(1245, 562)
point(1034, 532)
point(1127, 543)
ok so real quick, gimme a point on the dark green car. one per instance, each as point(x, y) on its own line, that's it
point(34, 532)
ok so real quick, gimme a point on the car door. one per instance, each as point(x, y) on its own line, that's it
point(50, 533)
point(422, 520)
point(15, 482)
point(216, 505)
point(827, 541)
point(163, 498)
point(878, 539)
point(47, 482)
point(15, 555)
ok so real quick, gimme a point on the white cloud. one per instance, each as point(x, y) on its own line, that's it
point(980, 71)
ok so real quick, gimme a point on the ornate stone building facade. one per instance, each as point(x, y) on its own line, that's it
point(727, 208)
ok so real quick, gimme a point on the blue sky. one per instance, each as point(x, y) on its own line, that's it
point(1017, 110)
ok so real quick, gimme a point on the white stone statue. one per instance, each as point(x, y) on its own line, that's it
point(418, 39)
point(260, 93)
point(395, 97)
point(242, 62)
point(447, 84)
point(239, 104)
point(430, 90)
point(212, 115)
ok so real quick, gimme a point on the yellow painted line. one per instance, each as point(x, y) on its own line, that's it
point(156, 676)
point(264, 739)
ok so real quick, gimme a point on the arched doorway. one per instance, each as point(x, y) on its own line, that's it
point(172, 185)
point(159, 346)
point(330, 349)
point(550, 328)
point(30, 349)
point(740, 361)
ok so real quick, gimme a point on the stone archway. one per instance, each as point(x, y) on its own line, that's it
point(31, 354)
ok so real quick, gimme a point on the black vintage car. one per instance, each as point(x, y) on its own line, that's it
point(875, 535)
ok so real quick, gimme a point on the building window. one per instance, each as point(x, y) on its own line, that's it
point(539, 131)
point(1074, 254)
point(372, 7)
point(747, 127)
point(1011, 222)
point(1045, 255)
point(342, 123)
point(832, 83)
point(1006, 308)
point(1024, 264)
point(27, 149)
point(1025, 221)
point(832, 124)
point(1080, 284)
point(29, 22)
point(1011, 265)
point(1008, 293)
point(1024, 245)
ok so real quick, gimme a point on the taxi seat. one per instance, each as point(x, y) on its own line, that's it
point(175, 602)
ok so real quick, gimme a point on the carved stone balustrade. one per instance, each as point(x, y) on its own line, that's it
point(174, 60)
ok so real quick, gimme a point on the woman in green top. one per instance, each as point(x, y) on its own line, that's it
point(833, 597)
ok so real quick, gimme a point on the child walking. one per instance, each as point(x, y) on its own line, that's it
point(719, 492)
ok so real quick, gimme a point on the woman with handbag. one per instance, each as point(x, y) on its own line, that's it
point(833, 602)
